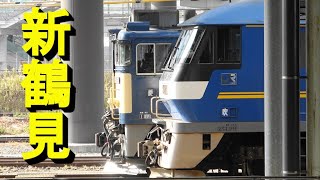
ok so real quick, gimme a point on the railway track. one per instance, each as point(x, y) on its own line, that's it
point(93, 160)
point(6, 139)
point(88, 175)
point(64, 174)
point(93, 176)
point(78, 161)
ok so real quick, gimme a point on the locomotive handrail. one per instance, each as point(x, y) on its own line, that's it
point(111, 103)
point(157, 114)
point(151, 104)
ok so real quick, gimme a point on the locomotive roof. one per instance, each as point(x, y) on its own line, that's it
point(130, 35)
point(246, 12)
point(240, 13)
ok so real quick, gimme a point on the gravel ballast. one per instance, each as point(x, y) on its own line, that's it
point(15, 149)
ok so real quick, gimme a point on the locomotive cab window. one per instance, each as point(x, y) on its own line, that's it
point(217, 45)
point(145, 58)
point(150, 58)
point(115, 52)
point(123, 54)
point(206, 49)
point(228, 42)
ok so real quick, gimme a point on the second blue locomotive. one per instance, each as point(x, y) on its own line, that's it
point(138, 57)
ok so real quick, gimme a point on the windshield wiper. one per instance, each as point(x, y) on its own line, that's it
point(170, 68)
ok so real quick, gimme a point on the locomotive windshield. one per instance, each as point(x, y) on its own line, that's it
point(123, 54)
point(185, 47)
point(207, 45)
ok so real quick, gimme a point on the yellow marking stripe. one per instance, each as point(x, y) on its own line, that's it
point(240, 96)
point(249, 95)
point(236, 93)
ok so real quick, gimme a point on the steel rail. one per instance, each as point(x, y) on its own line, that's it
point(78, 161)
point(81, 175)
point(6, 139)
point(101, 175)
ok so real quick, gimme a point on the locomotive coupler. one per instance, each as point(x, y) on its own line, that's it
point(112, 139)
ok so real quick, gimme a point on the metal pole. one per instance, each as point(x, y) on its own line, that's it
point(290, 88)
point(313, 90)
point(16, 61)
point(3, 52)
point(86, 61)
point(272, 87)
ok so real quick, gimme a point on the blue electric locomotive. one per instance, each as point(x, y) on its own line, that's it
point(213, 87)
point(138, 56)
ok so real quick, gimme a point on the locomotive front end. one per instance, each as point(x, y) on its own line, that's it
point(212, 86)
point(137, 54)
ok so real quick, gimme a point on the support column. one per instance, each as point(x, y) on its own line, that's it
point(313, 89)
point(3, 52)
point(86, 60)
point(187, 14)
point(290, 88)
point(272, 87)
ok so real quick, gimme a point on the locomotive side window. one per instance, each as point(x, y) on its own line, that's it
point(206, 55)
point(228, 42)
point(220, 45)
point(145, 58)
point(150, 58)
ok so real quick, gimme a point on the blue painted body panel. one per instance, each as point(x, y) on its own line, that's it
point(250, 78)
point(138, 26)
point(141, 83)
point(148, 36)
